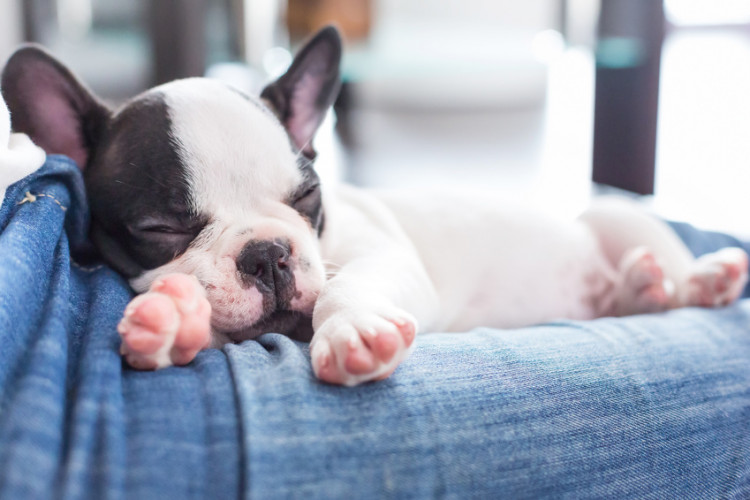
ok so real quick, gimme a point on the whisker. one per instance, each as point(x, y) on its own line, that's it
point(150, 177)
point(117, 181)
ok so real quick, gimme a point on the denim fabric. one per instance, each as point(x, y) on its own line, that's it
point(651, 406)
point(73, 422)
point(703, 242)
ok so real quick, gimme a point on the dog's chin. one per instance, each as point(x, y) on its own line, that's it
point(293, 324)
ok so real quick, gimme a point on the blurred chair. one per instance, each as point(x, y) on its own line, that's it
point(121, 48)
point(628, 62)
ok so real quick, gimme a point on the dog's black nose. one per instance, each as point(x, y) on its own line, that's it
point(267, 263)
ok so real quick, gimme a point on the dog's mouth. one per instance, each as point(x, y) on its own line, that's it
point(293, 324)
point(246, 313)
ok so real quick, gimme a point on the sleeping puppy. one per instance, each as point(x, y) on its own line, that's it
point(206, 199)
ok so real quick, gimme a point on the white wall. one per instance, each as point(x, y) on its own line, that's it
point(10, 27)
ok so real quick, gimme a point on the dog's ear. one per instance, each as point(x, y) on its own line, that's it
point(301, 96)
point(49, 104)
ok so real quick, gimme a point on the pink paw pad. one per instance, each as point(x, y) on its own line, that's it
point(359, 359)
point(654, 294)
point(645, 272)
point(643, 287)
point(349, 355)
point(327, 371)
point(408, 330)
point(385, 345)
point(718, 278)
point(147, 321)
point(167, 325)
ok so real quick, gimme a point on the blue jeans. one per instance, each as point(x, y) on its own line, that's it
point(653, 406)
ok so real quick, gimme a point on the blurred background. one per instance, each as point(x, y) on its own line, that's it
point(547, 101)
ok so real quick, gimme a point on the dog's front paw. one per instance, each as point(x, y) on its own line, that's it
point(350, 348)
point(167, 325)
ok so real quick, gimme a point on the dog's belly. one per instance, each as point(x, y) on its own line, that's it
point(502, 266)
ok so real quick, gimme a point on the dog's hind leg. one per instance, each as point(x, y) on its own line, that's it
point(657, 269)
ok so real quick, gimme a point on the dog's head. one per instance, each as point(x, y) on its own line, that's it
point(196, 177)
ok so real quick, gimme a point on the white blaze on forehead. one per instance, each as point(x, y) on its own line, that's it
point(235, 152)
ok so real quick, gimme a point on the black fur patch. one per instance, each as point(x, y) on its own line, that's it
point(139, 197)
point(292, 324)
point(306, 199)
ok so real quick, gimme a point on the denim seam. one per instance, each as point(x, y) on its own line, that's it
point(31, 198)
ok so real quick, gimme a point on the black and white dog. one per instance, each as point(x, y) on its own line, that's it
point(207, 201)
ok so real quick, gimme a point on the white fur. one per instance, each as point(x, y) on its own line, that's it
point(465, 243)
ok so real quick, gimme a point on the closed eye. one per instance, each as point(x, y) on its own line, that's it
point(307, 199)
point(308, 204)
point(160, 229)
point(156, 226)
point(308, 193)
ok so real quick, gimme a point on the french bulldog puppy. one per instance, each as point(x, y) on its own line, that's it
point(206, 199)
